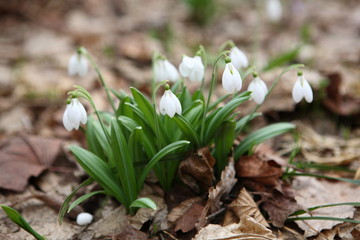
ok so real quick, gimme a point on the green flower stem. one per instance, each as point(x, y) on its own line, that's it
point(83, 51)
point(212, 85)
point(156, 117)
point(291, 67)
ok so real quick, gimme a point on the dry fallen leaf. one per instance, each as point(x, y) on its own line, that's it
point(180, 209)
point(197, 170)
point(246, 228)
point(310, 192)
point(258, 174)
point(326, 149)
point(130, 233)
point(23, 157)
point(280, 204)
point(187, 222)
point(223, 187)
point(244, 204)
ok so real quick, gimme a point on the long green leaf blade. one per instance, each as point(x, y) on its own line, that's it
point(260, 136)
point(83, 198)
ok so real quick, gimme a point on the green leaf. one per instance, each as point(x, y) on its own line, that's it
point(143, 203)
point(124, 164)
point(144, 105)
point(100, 172)
point(16, 217)
point(66, 203)
point(224, 140)
point(349, 180)
point(163, 152)
point(194, 112)
point(240, 124)
point(187, 129)
point(83, 198)
point(214, 104)
point(260, 136)
point(222, 116)
point(299, 212)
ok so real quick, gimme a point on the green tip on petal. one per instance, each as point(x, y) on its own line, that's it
point(255, 74)
point(68, 101)
point(167, 87)
point(227, 60)
point(299, 73)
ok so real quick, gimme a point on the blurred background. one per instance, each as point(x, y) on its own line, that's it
point(38, 37)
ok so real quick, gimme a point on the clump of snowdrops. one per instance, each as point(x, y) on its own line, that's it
point(144, 134)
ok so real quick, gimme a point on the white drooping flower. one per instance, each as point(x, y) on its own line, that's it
point(78, 65)
point(84, 218)
point(74, 115)
point(273, 10)
point(258, 89)
point(231, 79)
point(238, 58)
point(193, 68)
point(164, 70)
point(302, 89)
point(169, 103)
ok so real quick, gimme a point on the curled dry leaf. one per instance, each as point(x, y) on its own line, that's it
point(244, 204)
point(23, 157)
point(327, 149)
point(247, 228)
point(223, 187)
point(197, 170)
point(179, 210)
point(258, 174)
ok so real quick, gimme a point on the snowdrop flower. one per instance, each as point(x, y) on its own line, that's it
point(193, 68)
point(164, 70)
point(273, 10)
point(238, 58)
point(169, 103)
point(231, 79)
point(302, 89)
point(258, 89)
point(74, 115)
point(78, 65)
point(84, 218)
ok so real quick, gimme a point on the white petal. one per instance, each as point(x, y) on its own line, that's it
point(162, 105)
point(72, 65)
point(170, 108)
point(159, 71)
point(67, 124)
point(227, 80)
point(186, 66)
point(83, 114)
point(84, 218)
point(274, 10)
point(259, 93)
point(83, 66)
point(307, 91)
point(238, 58)
point(74, 114)
point(297, 91)
point(198, 71)
point(172, 73)
point(176, 103)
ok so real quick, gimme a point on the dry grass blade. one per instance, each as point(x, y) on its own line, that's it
point(245, 205)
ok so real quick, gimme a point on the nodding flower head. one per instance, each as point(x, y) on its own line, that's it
point(302, 89)
point(192, 67)
point(231, 79)
point(238, 58)
point(78, 65)
point(274, 10)
point(169, 103)
point(74, 115)
point(164, 70)
point(258, 89)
